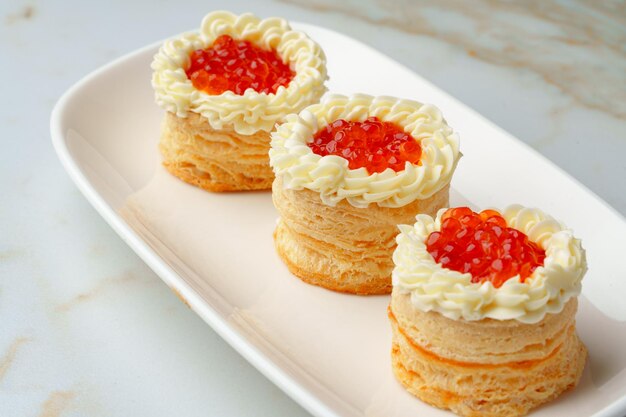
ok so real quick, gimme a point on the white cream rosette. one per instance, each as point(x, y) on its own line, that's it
point(451, 293)
point(252, 111)
point(299, 167)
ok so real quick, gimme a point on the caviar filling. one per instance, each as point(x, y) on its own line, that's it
point(483, 245)
point(236, 65)
point(373, 144)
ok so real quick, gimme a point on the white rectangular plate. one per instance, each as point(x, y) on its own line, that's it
point(328, 351)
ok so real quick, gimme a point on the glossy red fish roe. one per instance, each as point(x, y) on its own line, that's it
point(372, 144)
point(236, 65)
point(483, 245)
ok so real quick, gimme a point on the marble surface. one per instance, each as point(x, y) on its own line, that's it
point(88, 330)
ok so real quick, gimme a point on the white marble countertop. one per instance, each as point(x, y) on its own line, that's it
point(89, 330)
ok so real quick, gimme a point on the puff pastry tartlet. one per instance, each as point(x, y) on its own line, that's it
point(224, 88)
point(348, 171)
point(483, 310)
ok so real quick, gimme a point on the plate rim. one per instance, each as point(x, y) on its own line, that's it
point(195, 302)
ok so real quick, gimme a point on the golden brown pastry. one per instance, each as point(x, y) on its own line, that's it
point(215, 160)
point(338, 223)
point(487, 342)
point(224, 89)
point(342, 248)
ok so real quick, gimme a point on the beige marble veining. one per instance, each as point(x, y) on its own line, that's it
point(101, 286)
point(570, 46)
point(56, 403)
point(25, 13)
point(7, 359)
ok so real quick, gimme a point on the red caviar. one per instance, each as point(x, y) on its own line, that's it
point(236, 65)
point(372, 144)
point(483, 245)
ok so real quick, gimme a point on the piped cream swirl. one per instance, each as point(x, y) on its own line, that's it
point(252, 111)
point(451, 293)
point(299, 167)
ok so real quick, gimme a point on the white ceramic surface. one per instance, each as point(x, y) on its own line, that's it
point(328, 351)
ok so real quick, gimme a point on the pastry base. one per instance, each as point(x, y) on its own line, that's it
point(342, 248)
point(215, 160)
point(487, 367)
